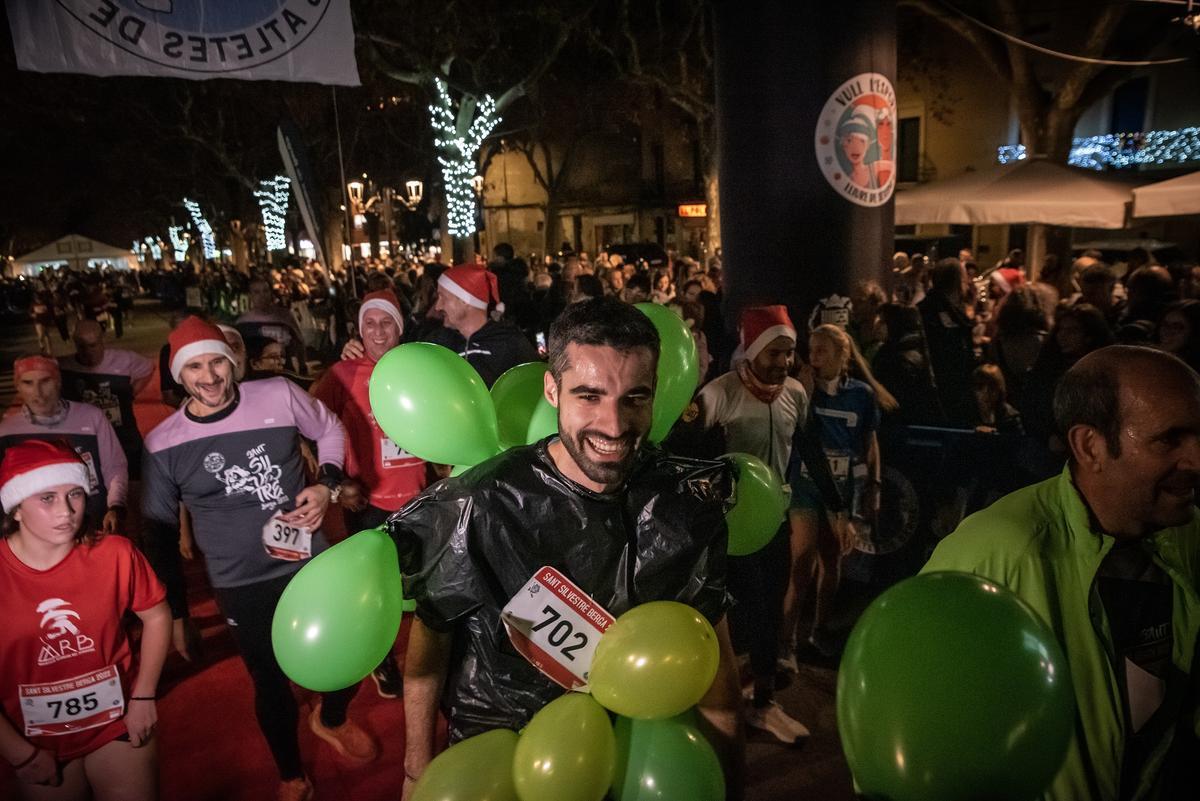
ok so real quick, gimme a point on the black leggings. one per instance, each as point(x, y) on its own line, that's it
point(248, 611)
point(758, 583)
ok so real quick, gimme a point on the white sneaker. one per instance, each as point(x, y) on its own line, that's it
point(771, 718)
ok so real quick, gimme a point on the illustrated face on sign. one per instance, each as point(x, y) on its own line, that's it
point(854, 145)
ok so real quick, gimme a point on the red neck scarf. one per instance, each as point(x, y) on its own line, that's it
point(767, 393)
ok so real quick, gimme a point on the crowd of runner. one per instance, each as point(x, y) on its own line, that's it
point(272, 427)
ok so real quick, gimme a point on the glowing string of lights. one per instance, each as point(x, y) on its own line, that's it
point(273, 202)
point(457, 156)
point(207, 240)
point(1122, 150)
point(155, 248)
point(178, 242)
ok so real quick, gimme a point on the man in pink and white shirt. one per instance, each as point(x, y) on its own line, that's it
point(45, 415)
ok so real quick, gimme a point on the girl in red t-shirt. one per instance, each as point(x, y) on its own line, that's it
point(77, 721)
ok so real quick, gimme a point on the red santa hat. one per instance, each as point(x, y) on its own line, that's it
point(195, 337)
point(35, 465)
point(385, 301)
point(762, 324)
point(474, 285)
point(35, 364)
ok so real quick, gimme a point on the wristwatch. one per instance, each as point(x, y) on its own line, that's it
point(335, 490)
point(331, 477)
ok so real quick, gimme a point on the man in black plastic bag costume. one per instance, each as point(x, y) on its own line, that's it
point(624, 521)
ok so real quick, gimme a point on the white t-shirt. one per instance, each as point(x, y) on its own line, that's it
point(751, 426)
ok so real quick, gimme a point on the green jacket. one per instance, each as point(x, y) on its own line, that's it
point(1038, 542)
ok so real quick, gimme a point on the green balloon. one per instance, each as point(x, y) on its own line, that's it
point(566, 753)
point(432, 403)
point(522, 411)
point(952, 687)
point(479, 768)
point(760, 505)
point(678, 368)
point(665, 760)
point(655, 661)
point(339, 615)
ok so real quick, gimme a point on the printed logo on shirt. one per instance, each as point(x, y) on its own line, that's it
point(61, 637)
point(260, 477)
point(850, 418)
point(102, 398)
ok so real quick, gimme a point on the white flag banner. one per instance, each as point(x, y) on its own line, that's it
point(277, 40)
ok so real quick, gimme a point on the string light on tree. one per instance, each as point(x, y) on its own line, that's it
point(1122, 150)
point(207, 240)
point(273, 202)
point(178, 241)
point(155, 248)
point(457, 143)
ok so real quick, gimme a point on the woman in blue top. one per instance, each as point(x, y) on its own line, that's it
point(846, 413)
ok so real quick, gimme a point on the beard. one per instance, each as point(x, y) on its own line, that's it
point(226, 396)
point(608, 472)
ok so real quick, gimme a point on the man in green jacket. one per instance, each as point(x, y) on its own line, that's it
point(1108, 553)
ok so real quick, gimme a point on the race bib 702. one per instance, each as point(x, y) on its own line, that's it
point(556, 626)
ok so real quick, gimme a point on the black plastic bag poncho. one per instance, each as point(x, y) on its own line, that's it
point(468, 544)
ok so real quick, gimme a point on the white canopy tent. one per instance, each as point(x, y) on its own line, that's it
point(1029, 191)
point(76, 252)
point(1168, 198)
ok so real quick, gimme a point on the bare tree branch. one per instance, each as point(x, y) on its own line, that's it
point(984, 45)
point(1098, 36)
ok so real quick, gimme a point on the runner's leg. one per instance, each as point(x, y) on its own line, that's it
point(119, 772)
point(252, 607)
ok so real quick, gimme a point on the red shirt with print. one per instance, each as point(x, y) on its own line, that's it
point(391, 474)
point(64, 624)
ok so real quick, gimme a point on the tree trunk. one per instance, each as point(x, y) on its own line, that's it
point(550, 232)
point(712, 198)
point(335, 223)
point(241, 254)
point(1049, 132)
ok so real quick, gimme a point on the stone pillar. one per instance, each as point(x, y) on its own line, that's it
point(807, 134)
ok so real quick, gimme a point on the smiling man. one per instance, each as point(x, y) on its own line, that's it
point(623, 522)
point(232, 455)
point(1108, 553)
point(380, 476)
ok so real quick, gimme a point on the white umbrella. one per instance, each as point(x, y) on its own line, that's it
point(1029, 191)
point(1168, 198)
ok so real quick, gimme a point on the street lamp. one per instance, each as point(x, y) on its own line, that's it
point(416, 191)
point(355, 189)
